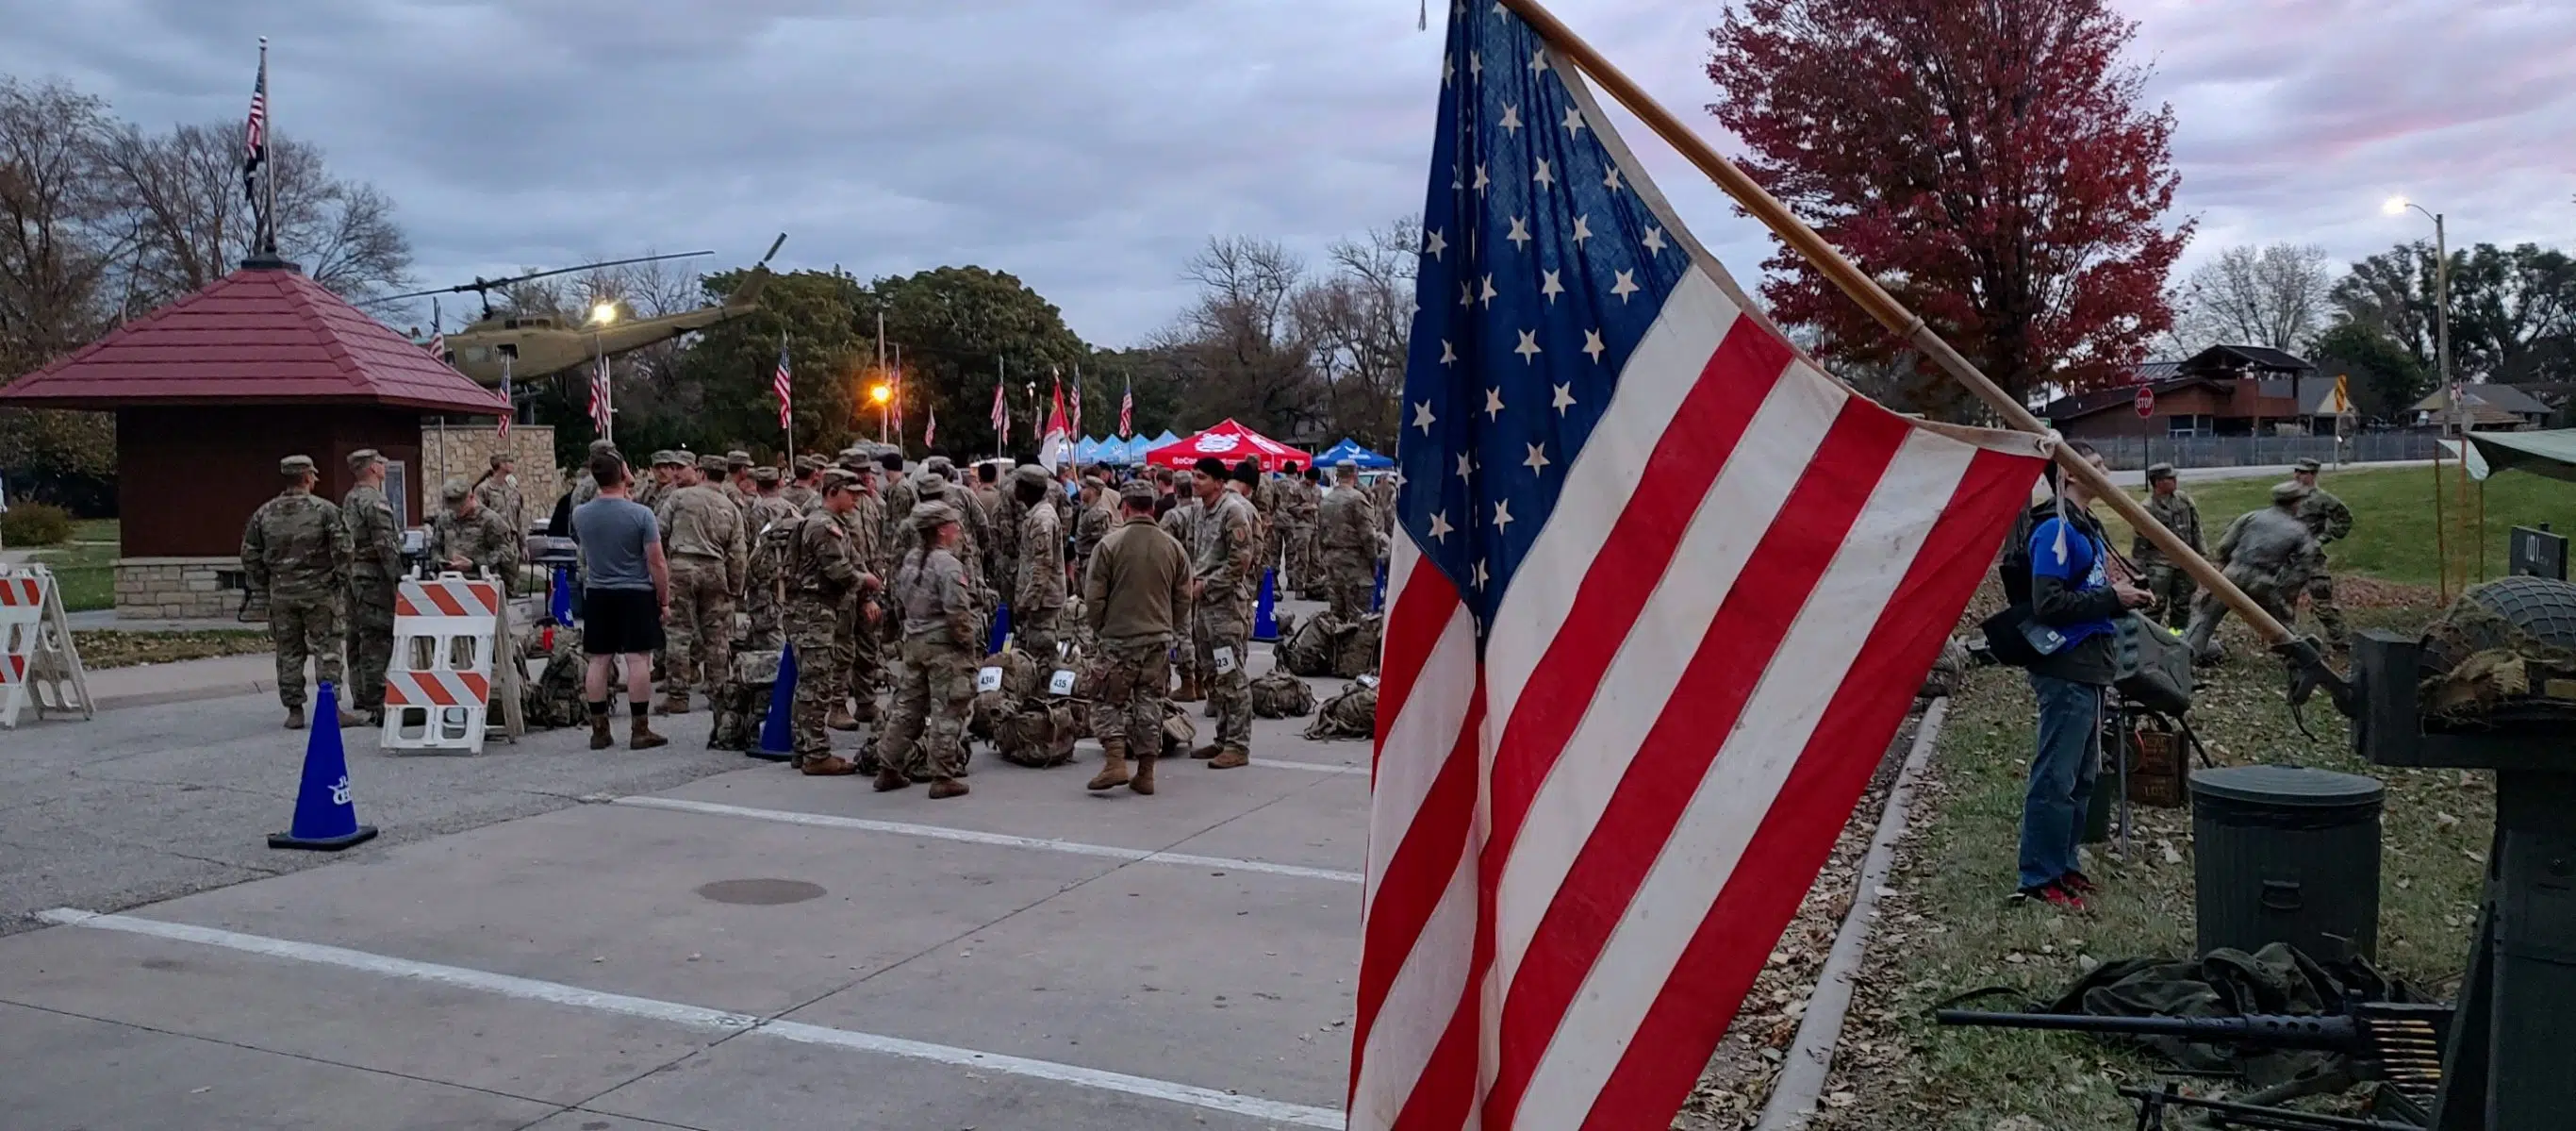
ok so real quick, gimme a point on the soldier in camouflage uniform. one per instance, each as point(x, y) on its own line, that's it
point(296, 550)
point(1037, 594)
point(801, 493)
point(1300, 505)
point(2172, 587)
point(1382, 493)
point(859, 648)
point(738, 486)
point(702, 537)
point(585, 488)
point(1182, 523)
point(468, 538)
point(1348, 539)
point(1006, 515)
point(1098, 516)
point(2269, 554)
point(928, 723)
point(498, 492)
point(375, 568)
point(2331, 521)
point(771, 528)
point(823, 573)
point(1224, 583)
point(1135, 594)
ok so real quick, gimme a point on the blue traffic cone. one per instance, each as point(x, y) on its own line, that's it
point(777, 741)
point(1001, 631)
point(325, 819)
point(1265, 624)
point(560, 603)
point(1377, 596)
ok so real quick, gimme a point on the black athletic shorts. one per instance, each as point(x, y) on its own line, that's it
point(620, 622)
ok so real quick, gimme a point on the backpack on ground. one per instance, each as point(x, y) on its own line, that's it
point(1280, 695)
point(1350, 713)
point(1355, 653)
point(741, 703)
point(1311, 648)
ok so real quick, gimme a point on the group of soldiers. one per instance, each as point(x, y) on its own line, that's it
point(329, 572)
point(2274, 554)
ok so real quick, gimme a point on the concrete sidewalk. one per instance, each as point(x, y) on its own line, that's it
point(185, 681)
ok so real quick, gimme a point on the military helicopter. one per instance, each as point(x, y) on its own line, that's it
point(535, 345)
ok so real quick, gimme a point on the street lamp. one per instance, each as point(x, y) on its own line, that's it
point(883, 395)
point(603, 314)
point(2397, 206)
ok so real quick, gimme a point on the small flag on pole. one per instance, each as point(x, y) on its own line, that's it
point(255, 132)
point(599, 408)
point(1127, 409)
point(510, 405)
point(1053, 447)
point(1001, 417)
point(1076, 400)
point(930, 430)
point(781, 385)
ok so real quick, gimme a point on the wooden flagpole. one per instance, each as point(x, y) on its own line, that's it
point(1883, 306)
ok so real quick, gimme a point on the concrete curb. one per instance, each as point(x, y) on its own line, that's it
point(1811, 1054)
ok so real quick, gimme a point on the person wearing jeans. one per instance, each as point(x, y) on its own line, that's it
point(2070, 593)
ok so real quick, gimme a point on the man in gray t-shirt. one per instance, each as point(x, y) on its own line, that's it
point(626, 593)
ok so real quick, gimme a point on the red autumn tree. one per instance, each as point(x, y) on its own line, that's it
point(1991, 162)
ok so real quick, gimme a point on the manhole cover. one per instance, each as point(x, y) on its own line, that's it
point(760, 893)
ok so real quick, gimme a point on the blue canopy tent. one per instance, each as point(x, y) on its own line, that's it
point(1348, 450)
point(1087, 452)
point(1119, 452)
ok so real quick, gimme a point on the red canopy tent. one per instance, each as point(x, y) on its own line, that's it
point(1230, 442)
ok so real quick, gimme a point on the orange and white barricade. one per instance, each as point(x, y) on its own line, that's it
point(438, 689)
point(39, 662)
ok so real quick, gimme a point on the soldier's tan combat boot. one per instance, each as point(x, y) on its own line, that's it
point(841, 718)
point(1228, 759)
point(1206, 752)
point(350, 719)
point(1189, 692)
point(599, 736)
point(867, 712)
point(946, 788)
point(295, 717)
point(640, 736)
point(890, 779)
point(673, 703)
point(1113, 767)
point(1143, 782)
point(828, 766)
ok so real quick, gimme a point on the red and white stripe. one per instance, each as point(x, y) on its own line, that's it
point(447, 597)
point(1583, 847)
point(26, 592)
point(439, 688)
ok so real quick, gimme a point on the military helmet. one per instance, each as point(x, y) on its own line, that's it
point(598, 446)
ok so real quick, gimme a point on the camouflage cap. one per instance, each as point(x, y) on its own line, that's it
point(664, 458)
point(364, 456)
point(295, 465)
point(454, 491)
point(932, 515)
point(940, 464)
point(852, 459)
point(835, 478)
point(1095, 482)
point(737, 458)
point(2156, 471)
point(2310, 466)
point(2290, 492)
point(808, 464)
point(712, 463)
point(1031, 473)
point(764, 476)
point(499, 458)
point(598, 446)
point(930, 484)
point(1137, 492)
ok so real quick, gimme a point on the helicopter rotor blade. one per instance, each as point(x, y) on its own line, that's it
point(774, 245)
point(484, 286)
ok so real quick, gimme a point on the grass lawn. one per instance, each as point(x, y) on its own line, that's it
point(87, 572)
point(1947, 929)
point(2393, 529)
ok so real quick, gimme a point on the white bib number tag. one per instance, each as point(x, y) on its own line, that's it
point(1367, 680)
point(1224, 660)
point(1061, 683)
point(988, 679)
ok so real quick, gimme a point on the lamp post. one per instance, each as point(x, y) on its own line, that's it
point(883, 395)
point(2397, 206)
point(601, 314)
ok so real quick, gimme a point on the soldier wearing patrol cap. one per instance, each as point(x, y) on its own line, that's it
point(2331, 521)
point(800, 492)
point(470, 539)
point(2267, 553)
point(824, 578)
point(1037, 594)
point(738, 487)
point(924, 735)
point(373, 572)
point(1135, 595)
point(498, 491)
point(702, 536)
point(296, 550)
point(857, 649)
point(768, 526)
point(2172, 587)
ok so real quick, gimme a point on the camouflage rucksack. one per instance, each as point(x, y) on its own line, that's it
point(1280, 695)
point(1351, 713)
point(1179, 733)
point(1355, 653)
point(553, 699)
point(1020, 680)
point(1036, 733)
point(741, 702)
point(1310, 648)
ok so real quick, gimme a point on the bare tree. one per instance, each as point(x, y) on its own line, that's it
point(1241, 350)
point(1360, 320)
point(59, 242)
point(2274, 295)
point(182, 191)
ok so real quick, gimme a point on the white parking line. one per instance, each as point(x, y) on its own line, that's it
point(698, 1017)
point(1309, 767)
point(1004, 840)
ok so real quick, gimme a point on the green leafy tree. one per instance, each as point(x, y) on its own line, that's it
point(720, 390)
point(963, 328)
point(2385, 378)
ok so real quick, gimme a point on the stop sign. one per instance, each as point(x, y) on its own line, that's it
point(2145, 400)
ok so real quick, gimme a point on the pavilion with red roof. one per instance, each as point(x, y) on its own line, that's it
point(1231, 442)
point(212, 390)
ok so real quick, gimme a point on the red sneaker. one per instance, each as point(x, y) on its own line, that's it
point(2057, 896)
point(2078, 883)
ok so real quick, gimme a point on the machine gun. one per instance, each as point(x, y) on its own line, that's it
point(2398, 1043)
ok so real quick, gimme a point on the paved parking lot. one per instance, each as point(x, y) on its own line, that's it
point(748, 950)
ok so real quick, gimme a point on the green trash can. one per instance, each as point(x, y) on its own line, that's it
point(2286, 854)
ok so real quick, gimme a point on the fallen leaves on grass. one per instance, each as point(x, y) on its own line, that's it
point(109, 648)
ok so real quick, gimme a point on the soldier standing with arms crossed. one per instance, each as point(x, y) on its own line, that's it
point(2172, 587)
point(702, 537)
point(1223, 576)
point(373, 572)
point(1348, 537)
point(939, 655)
point(825, 579)
point(1135, 592)
point(1037, 594)
point(2331, 521)
point(296, 549)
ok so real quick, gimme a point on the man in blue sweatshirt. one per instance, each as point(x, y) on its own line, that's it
point(2071, 593)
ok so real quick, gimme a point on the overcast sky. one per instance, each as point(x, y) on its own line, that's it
point(1090, 145)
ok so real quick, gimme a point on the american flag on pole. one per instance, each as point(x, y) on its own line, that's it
point(1001, 418)
point(510, 404)
point(781, 384)
point(255, 132)
point(1661, 594)
point(1127, 409)
point(930, 428)
point(600, 416)
point(1075, 400)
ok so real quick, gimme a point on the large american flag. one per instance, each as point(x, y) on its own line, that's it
point(601, 415)
point(255, 132)
point(1127, 409)
point(780, 384)
point(1661, 593)
point(1001, 420)
point(509, 399)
